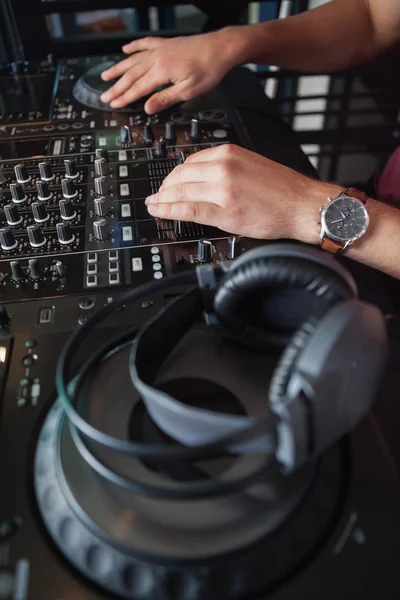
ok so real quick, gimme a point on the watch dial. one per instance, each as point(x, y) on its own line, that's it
point(346, 218)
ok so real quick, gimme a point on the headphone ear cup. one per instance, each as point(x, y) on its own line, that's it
point(283, 371)
point(262, 301)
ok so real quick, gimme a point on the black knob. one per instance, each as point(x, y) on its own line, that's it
point(101, 153)
point(204, 251)
point(16, 270)
point(125, 135)
point(12, 214)
point(161, 148)
point(67, 210)
point(101, 166)
point(34, 268)
point(17, 193)
point(43, 191)
point(170, 131)
point(21, 174)
point(68, 188)
point(40, 213)
point(194, 129)
point(148, 136)
point(100, 206)
point(234, 247)
point(46, 172)
point(36, 237)
point(179, 229)
point(60, 268)
point(7, 239)
point(64, 233)
point(100, 230)
point(101, 186)
point(71, 171)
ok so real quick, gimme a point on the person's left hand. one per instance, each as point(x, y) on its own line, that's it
point(243, 193)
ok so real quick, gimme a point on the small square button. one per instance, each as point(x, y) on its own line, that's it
point(113, 267)
point(124, 189)
point(91, 281)
point(91, 269)
point(123, 171)
point(127, 235)
point(113, 279)
point(113, 255)
point(126, 210)
point(122, 155)
point(91, 258)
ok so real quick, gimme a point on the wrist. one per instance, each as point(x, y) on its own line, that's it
point(241, 43)
point(313, 195)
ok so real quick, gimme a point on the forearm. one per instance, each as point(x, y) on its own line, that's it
point(335, 36)
point(378, 248)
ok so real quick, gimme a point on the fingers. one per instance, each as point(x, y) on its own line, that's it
point(123, 84)
point(198, 212)
point(119, 69)
point(142, 87)
point(192, 173)
point(184, 192)
point(168, 97)
point(147, 43)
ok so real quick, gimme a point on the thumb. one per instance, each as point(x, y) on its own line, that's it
point(167, 97)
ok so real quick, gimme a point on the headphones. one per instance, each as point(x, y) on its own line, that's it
point(290, 300)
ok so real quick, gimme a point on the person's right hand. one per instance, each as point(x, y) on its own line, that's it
point(192, 64)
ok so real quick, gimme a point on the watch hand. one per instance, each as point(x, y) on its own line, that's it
point(343, 215)
point(338, 221)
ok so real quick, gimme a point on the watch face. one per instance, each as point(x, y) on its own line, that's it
point(345, 219)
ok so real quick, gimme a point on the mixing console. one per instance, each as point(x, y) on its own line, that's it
point(72, 212)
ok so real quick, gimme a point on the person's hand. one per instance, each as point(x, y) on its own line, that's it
point(242, 193)
point(192, 64)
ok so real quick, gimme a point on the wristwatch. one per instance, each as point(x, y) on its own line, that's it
point(344, 219)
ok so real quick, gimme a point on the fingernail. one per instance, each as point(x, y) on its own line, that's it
point(114, 104)
point(149, 200)
point(154, 209)
point(105, 97)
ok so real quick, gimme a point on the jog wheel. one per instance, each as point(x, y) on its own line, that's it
point(141, 548)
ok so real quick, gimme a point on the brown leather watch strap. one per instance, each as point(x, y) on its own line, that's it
point(355, 193)
point(331, 246)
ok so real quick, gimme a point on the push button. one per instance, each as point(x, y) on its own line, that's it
point(91, 281)
point(113, 278)
point(92, 258)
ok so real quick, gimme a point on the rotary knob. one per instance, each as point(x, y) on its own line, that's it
point(34, 268)
point(170, 131)
point(101, 186)
point(125, 135)
point(204, 251)
point(234, 247)
point(12, 214)
point(101, 153)
point(194, 129)
point(21, 174)
point(100, 206)
point(67, 210)
point(46, 172)
point(16, 270)
point(17, 193)
point(43, 191)
point(68, 188)
point(101, 166)
point(64, 233)
point(100, 230)
point(161, 148)
point(7, 239)
point(36, 237)
point(148, 135)
point(71, 172)
point(40, 213)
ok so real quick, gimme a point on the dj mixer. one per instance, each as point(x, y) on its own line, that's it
point(74, 235)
